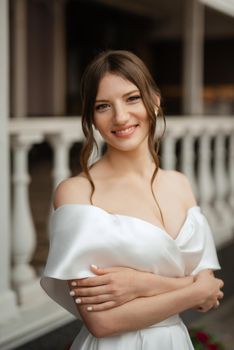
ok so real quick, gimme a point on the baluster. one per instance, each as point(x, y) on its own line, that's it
point(221, 186)
point(23, 231)
point(205, 180)
point(61, 144)
point(168, 151)
point(188, 161)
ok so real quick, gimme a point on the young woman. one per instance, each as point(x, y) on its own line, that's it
point(130, 248)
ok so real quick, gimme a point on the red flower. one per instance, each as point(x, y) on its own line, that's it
point(202, 337)
point(212, 346)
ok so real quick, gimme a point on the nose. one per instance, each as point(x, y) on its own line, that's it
point(120, 115)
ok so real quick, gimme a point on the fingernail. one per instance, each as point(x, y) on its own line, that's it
point(74, 283)
point(72, 293)
point(94, 266)
point(78, 300)
point(89, 308)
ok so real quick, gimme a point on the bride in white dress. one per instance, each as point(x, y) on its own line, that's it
point(130, 248)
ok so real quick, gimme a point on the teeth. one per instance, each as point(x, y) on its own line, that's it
point(126, 131)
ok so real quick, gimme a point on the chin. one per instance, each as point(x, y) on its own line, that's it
point(127, 147)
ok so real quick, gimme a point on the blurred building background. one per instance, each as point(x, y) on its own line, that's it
point(44, 47)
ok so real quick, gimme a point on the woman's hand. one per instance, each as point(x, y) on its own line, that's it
point(110, 288)
point(210, 287)
point(117, 285)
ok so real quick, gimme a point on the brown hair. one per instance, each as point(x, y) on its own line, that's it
point(129, 66)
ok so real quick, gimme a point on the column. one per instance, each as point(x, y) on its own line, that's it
point(231, 169)
point(59, 54)
point(7, 297)
point(19, 59)
point(24, 278)
point(193, 58)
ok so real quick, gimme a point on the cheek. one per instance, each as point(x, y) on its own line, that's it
point(143, 116)
point(142, 113)
point(100, 123)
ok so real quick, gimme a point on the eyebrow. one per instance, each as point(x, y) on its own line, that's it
point(128, 93)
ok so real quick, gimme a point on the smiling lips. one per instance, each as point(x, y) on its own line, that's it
point(125, 132)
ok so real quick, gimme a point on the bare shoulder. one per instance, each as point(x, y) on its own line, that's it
point(182, 184)
point(72, 190)
point(177, 176)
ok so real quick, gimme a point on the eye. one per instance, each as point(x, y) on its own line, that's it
point(134, 98)
point(102, 107)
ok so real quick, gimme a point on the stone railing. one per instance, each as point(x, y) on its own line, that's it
point(202, 148)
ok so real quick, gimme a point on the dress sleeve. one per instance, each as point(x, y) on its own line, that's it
point(197, 245)
point(208, 255)
point(69, 255)
point(79, 236)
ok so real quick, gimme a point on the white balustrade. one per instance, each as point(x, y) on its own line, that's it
point(23, 232)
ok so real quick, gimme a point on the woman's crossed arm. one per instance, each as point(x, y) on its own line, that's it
point(141, 299)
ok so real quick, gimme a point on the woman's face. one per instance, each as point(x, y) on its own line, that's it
point(119, 113)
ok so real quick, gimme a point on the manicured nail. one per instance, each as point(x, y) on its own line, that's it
point(78, 300)
point(94, 266)
point(89, 308)
point(72, 293)
point(74, 284)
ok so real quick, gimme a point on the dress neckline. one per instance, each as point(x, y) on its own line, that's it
point(130, 217)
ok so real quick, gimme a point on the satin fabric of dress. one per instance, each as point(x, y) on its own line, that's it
point(82, 234)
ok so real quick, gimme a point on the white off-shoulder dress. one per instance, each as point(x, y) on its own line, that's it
point(81, 235)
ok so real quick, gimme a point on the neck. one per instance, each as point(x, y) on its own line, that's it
point(137, 162)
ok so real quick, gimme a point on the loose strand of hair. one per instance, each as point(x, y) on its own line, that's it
point(154, 146)
point(86, 152)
